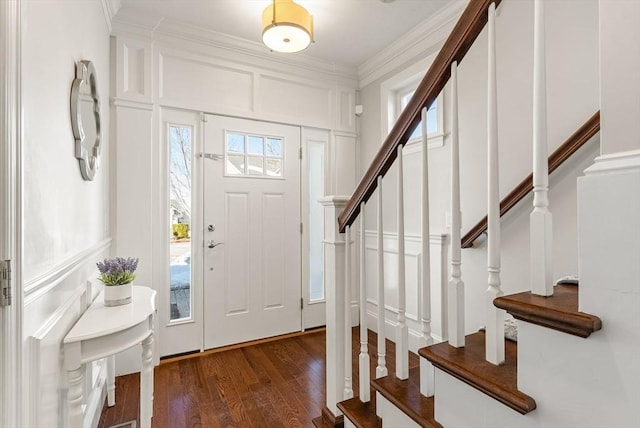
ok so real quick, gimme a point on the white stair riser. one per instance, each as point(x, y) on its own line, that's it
point(459, 405)
point(392, 417)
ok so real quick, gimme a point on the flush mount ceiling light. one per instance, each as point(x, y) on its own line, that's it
point(286, 27)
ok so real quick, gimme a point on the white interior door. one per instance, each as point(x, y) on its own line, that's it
point(252, 232)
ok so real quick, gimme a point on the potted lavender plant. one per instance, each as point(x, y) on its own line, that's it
point(117, 275)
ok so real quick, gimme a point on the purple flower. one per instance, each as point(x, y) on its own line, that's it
point(118, 271)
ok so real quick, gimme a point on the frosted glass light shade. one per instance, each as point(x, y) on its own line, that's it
point(286, 27)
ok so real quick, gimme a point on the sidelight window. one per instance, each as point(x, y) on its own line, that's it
point(180, 155)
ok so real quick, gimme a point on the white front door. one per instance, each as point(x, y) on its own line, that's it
point(252, 232)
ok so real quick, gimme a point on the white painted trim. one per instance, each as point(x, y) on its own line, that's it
point(328, 201)
point(110, 8)
point(427, 36)
point(622, 161)
point(167, 30)
point(11, 326)
point(434, 238)
point(415, 334)
point(138, 105)
point(36, 287)
point(34, 344)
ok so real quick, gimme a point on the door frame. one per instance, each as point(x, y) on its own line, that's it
point(162, 189)
point(11, 376)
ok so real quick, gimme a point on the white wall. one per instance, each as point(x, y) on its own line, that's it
point(66, 221)
point(572, 64)
point(620, 86)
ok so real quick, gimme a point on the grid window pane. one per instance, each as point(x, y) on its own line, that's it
point(235, 143)
point(274, 167)
point(274, 147)
point(255, 145)
point(235, 164)
point(255, 165)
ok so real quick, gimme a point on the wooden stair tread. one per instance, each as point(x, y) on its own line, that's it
point(406, 396)
point(362, 415)
point(469, 365)
point(559, 312)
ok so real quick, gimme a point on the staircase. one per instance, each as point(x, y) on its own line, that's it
point(464, 372)
point(545, 378)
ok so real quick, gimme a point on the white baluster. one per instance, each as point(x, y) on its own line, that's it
point(455, 297)
point(365, 391)
point(381, 369)
point(495, 316)
point(427, 371)
point(402, 331)
point(540, 219)
point(426, 255)
point(348, 368)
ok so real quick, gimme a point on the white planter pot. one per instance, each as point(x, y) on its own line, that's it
point(116, 295)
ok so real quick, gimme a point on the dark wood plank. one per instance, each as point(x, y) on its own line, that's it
point(405, 395)
point(362, 415)
point(470, 366)
point(561, 154)
point(266, 384)
point(559, 312)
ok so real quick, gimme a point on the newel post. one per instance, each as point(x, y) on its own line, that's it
point(334, 277)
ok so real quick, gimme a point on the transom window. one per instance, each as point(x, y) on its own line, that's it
point(249, 155)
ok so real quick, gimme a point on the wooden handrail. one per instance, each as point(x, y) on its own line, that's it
point(561, 154)
point(465, 32)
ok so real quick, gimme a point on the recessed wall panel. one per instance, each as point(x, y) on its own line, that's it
point(186, 81)
point(134, 70)
point(273, 262)
point(310, 104)
point(236, 248)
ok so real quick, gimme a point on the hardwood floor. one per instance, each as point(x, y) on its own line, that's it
point(279, 383)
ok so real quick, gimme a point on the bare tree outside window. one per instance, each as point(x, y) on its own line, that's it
point(180, 155)
point(180, 147)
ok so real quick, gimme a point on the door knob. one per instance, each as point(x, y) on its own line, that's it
point(213, 244)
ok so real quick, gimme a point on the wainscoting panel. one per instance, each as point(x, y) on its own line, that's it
point(53, 304)
point(413, 267)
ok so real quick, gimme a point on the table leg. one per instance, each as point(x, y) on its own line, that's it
point(146, 383)
point(111, 380)
point(74, 397)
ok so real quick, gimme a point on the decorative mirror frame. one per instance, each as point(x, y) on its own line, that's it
point(88, 159)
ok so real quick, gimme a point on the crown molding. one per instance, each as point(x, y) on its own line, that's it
point(110, 8)
point(171, 30)
point(427, 37)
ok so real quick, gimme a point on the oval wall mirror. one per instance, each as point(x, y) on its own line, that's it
point(85, 118)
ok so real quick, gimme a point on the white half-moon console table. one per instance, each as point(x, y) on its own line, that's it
point(102, 332)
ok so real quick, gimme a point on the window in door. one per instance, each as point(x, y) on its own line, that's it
point(250, 155)
point(180, 156)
